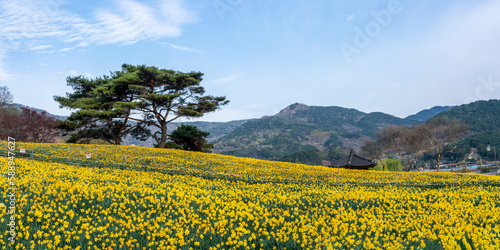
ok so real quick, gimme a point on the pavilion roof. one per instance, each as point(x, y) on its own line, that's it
point(353, 161)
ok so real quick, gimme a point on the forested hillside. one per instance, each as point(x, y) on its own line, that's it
point(480, 116)
point(483, 120)
point(426, 114)
point(306, 134)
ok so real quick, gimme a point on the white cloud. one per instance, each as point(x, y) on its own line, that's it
point(3, 74)
point(40, 47)
point(3, 70)
point(25, 22)
point(82, 44)
point(40, 25)
point(228, 114)
point(350, 18)
point(133, 21)
point(186, 48)
point(226, 79)
point(76, 73)
point(67, 49)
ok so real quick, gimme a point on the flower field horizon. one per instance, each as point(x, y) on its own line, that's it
point(125, 197)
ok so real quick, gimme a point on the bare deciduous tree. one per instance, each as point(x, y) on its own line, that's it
point(441, 132)
point(396, 139)
point(38, 127)
point(29, 126)
point(407, 143)
point(417, 141)
point(6, 97)
point(373, 149)
point(9, 124)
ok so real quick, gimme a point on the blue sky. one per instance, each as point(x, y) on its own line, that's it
point(393, 56)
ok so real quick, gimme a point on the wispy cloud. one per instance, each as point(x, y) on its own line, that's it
point(76, 73)
point(88, 75)
point(3, 71)
point(27, 22)
point(186, 48)
point(40, 47)
point(229, 114)
point(130, 21)
point(183, 48)
point(133, 21)
point(43, 26)
point(226, 79)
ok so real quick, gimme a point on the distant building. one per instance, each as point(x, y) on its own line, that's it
point(353, 161)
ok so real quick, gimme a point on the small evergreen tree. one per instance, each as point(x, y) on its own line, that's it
point(99, 112)
point(190, 138)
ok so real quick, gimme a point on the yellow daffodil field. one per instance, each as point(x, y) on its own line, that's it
point(121, 197)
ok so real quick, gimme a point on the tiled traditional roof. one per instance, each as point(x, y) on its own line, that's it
point(353, 161)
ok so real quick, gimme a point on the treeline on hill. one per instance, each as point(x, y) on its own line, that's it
point(479, 141)
point(480, 116)
point(317, 135)
point(483, 120)
point(127, 102)
point(305, 134)
point(275, 138)
point(408, 144)
point(443, 137)
point(24, 124)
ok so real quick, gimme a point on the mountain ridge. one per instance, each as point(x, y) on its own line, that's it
point(488, 112)
point(19, 106)
point(426, 114)
point(298, 133)
point(299, 127)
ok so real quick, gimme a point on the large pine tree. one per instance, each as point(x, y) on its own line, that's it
point(149, 96)
point(96, 114)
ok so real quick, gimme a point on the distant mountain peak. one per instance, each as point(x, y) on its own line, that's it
point(426, 114)
point(292, 109)
point(300, 130)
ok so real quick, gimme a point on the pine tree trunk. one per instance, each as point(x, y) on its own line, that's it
point(163, 139)
point(118, 140)
point(437, 160)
